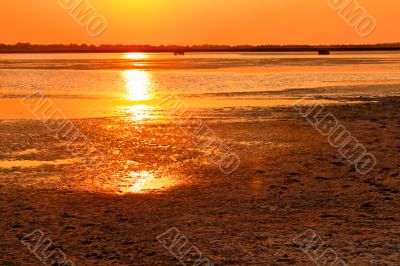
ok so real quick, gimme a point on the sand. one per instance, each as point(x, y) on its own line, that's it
point(290, 180)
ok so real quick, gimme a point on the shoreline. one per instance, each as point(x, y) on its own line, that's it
point(14, 109)
point(290, 180)
point(274, 49)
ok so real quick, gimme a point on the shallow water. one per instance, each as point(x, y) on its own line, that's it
point(9, 164)
point(139, 76)
point(100, 85)
point(141, 142)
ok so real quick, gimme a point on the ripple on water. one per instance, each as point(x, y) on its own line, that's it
point(8, 164)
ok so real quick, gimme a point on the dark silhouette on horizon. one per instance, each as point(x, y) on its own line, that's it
point(114, 48)
point(324, 52)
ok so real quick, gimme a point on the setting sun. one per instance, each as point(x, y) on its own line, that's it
point(136, 55)
point(199, 133)
point(195, 22)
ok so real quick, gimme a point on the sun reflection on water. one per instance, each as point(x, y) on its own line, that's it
point(139, 112)
point(137, 85)
point(144, 181)
point(135, 55)
point(141, 179)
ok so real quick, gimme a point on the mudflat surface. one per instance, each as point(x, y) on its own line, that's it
point(290, 180)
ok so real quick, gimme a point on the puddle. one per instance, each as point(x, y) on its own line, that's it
point(29, 163)
point(145, 181)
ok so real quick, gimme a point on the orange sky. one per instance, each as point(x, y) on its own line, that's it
point(197, 22)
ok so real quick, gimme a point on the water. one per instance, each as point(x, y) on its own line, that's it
point(128, 84)
point(141, 146)
point(139, 76)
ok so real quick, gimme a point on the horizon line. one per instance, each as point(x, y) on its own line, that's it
point(196, 45)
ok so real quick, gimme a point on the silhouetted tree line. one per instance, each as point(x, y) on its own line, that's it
point(37, 48)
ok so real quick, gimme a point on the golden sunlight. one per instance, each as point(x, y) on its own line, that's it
point(137, 85)
point(145, 181)
point(139, 112)
point(135, 55)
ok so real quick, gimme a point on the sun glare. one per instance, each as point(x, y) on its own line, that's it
point(144, 181)
point(135, 55)
point(139, 112)
point(137, 85)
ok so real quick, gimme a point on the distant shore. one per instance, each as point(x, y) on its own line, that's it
point(74, 48)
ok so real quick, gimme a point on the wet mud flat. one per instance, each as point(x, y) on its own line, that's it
point(290, 180)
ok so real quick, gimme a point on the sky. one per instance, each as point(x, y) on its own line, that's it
point(188, 22)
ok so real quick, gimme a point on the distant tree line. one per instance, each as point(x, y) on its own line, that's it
point(37, 48)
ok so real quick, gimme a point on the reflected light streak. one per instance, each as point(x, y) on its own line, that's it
point(142, 179)
point(135, 55)
point(137, 85)
point(145, 181)
point(139, 112)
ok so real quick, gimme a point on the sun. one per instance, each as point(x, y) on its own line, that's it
point(135, 55)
